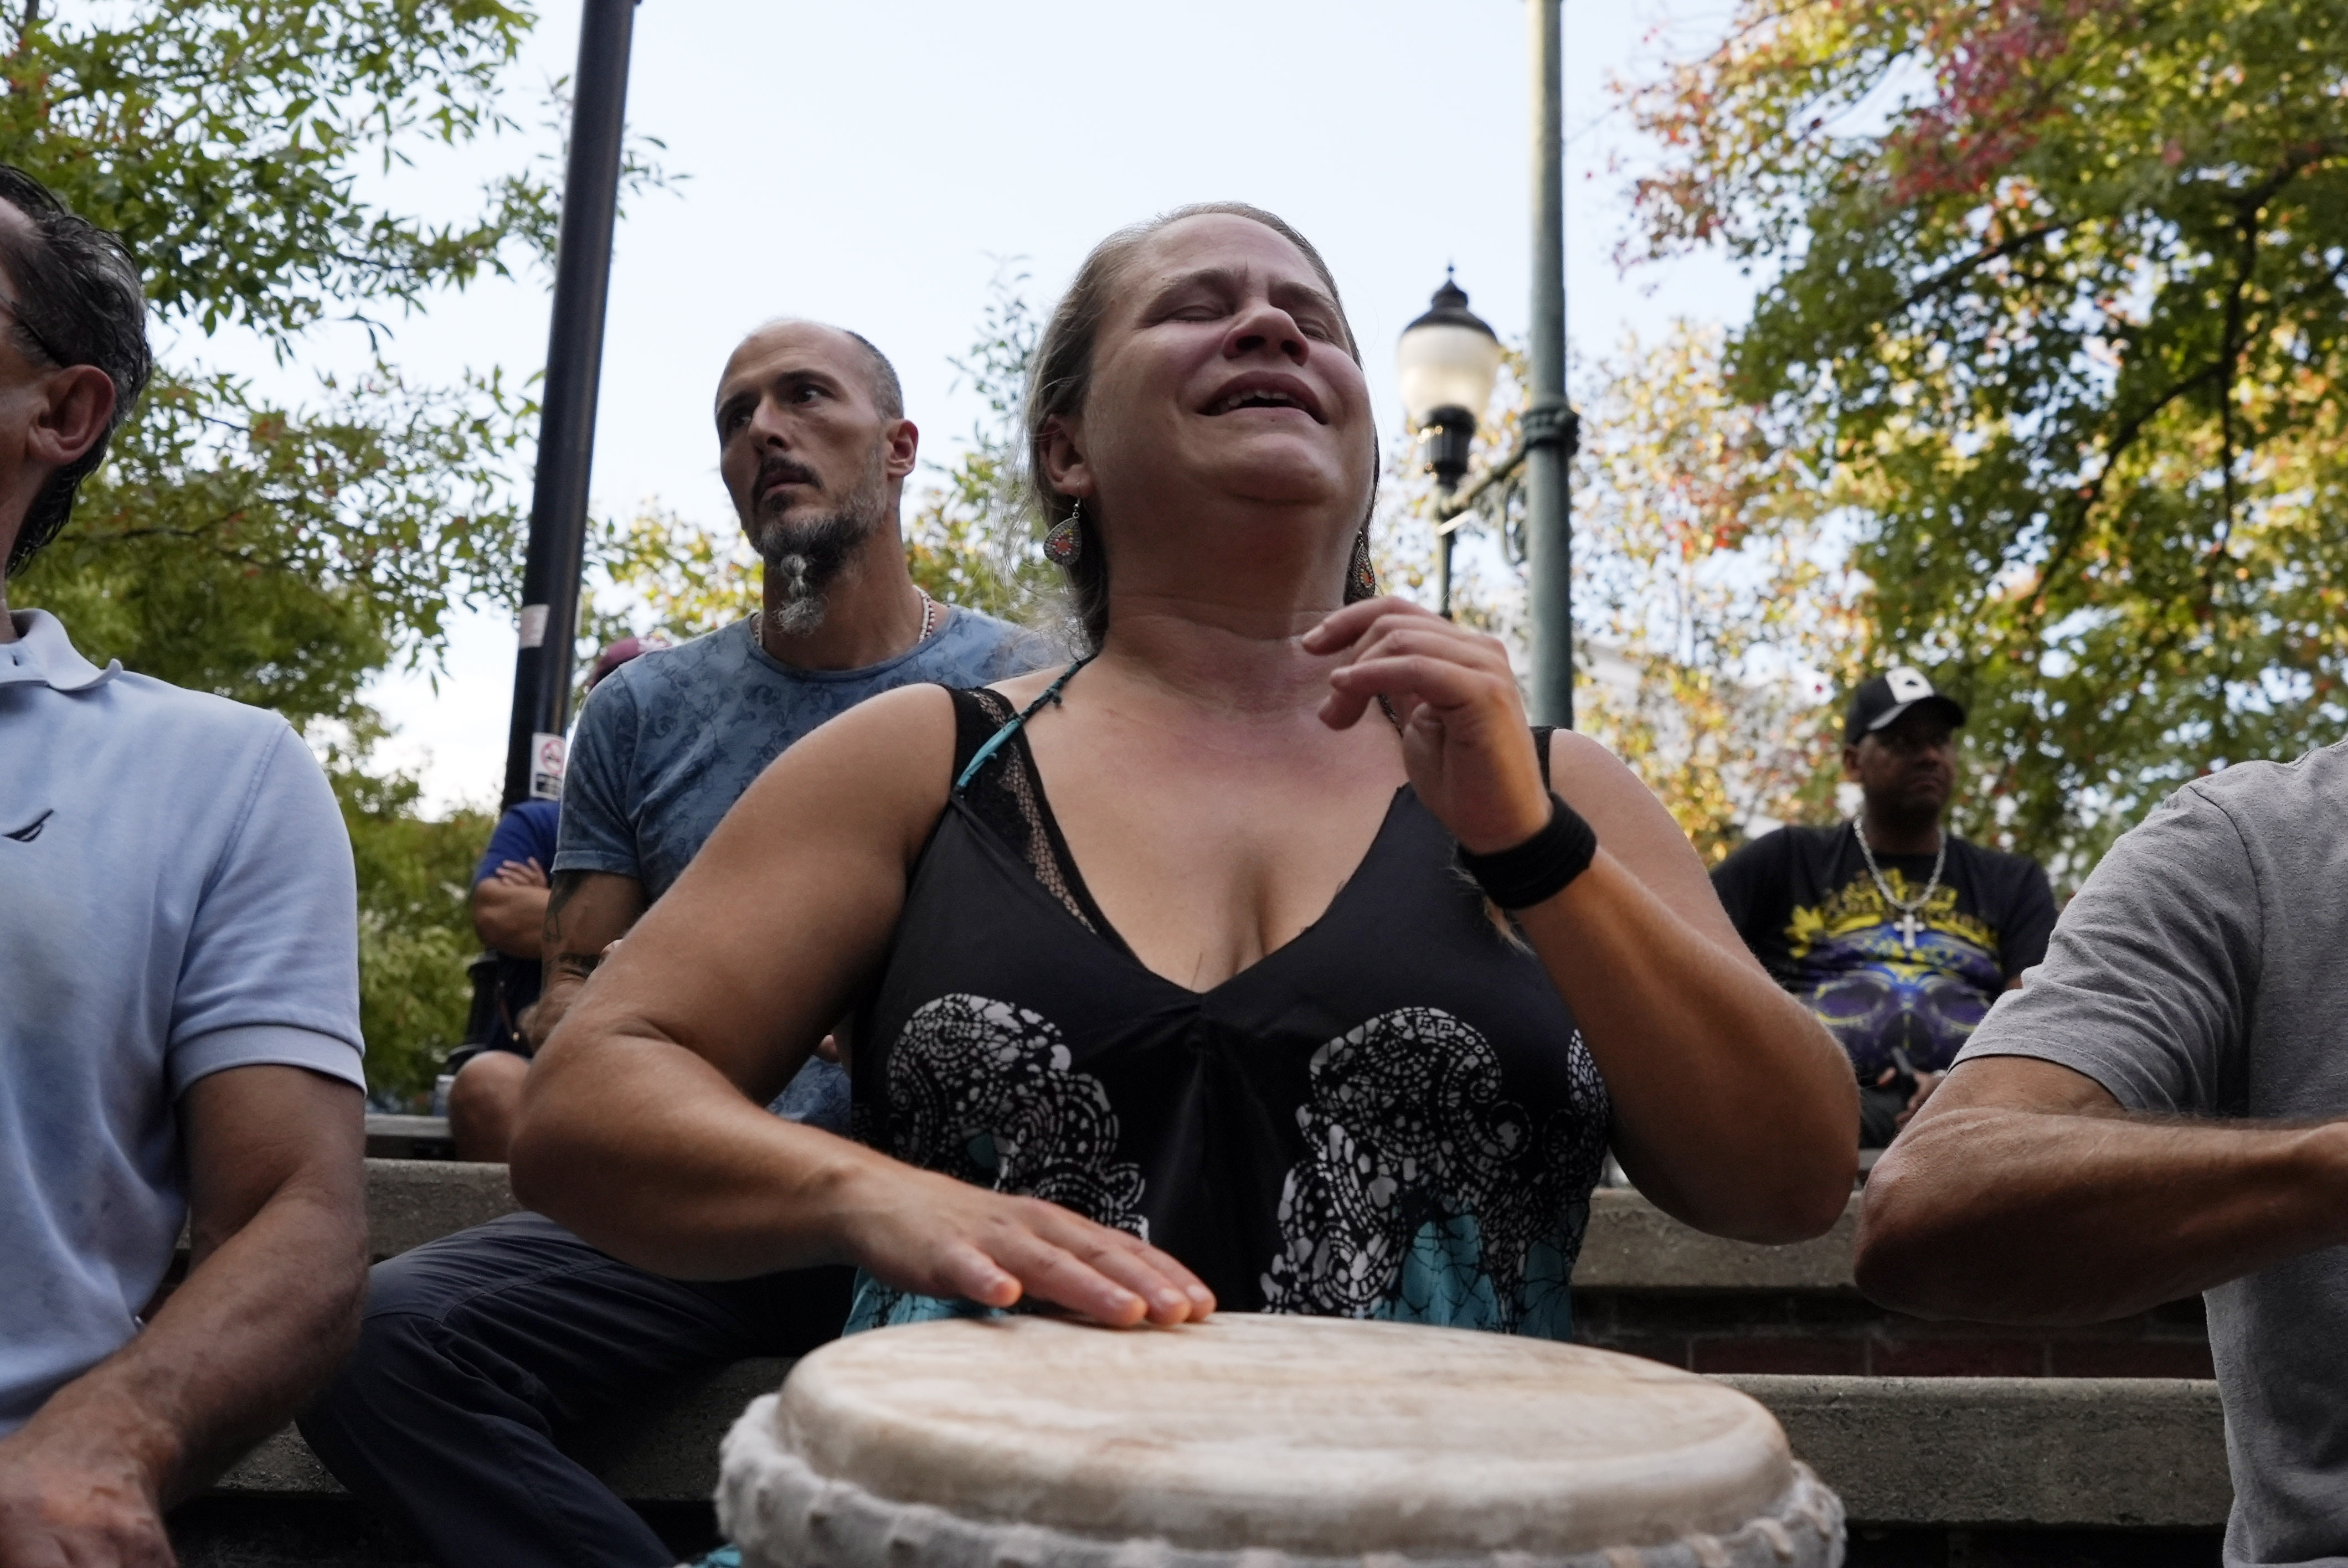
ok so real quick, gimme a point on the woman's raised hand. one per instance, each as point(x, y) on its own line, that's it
point(1464, 735)
point(934, 1236)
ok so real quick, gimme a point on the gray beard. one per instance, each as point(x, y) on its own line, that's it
point(804, 559)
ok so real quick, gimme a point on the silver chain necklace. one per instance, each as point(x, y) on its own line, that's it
point(929, 615)
point(1907, 924)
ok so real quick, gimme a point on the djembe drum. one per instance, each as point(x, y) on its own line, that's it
point(1255, 1442)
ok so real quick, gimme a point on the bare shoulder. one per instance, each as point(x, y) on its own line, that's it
point(1625, 813)
point(882, 768)
point(1633, 827)
point(1021, 690)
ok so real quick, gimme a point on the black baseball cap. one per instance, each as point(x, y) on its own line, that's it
point(1882, 700)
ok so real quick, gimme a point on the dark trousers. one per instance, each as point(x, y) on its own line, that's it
point(1879, 1114)
point(479, 1350)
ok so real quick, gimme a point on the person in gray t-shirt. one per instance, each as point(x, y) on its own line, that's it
point(816, 465)
point(478, 1348)
point(2162, 1109)
point(670, 742)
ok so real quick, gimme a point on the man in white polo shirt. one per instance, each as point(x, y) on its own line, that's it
point(179, 1002)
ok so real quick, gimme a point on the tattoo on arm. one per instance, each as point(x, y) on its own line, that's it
point(561, 963)
point(577, 930)
point(564, 888)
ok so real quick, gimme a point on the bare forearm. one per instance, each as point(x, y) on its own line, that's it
point(239, 1348)
point(560, 989)
point(649, 1152)
point(2000, 1214)
point(510, 919)
point(586, 912)
point(1732, 1109)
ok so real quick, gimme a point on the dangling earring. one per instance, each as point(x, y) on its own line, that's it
point(1361, 576)
point(1065, 541)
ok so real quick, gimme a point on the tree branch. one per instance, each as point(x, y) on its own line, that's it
point(1940, 282)
point(2092, 491)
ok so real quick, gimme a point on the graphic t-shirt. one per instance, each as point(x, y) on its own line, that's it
point(1802, 899)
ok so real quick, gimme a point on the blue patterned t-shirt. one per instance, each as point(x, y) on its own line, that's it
point(669, 741)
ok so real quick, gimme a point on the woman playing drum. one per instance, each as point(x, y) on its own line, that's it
point(1171, 984)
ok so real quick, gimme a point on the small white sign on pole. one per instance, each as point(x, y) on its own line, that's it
point(547, 756)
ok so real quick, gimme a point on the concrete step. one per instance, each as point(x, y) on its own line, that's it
point(2133, 1453)
point(390, 1135)
point(663, 1452)
point(1983, 1452)
point(411, 1201)
point(1630, 1244)
point(1645, 1284)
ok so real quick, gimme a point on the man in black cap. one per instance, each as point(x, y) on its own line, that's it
point(1897, 935)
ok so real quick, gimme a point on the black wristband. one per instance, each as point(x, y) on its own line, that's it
point(1538, 868)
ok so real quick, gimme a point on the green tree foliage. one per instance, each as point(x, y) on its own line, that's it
point(280, 553)
point(2056, 291)
point(1713, 592)
point(280, 557)
point(972, 538)
point(416, 928)
point(658, 574)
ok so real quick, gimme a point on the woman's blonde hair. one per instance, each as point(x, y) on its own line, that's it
point(1062, 376)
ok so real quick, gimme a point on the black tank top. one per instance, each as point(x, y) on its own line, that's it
point(1390, 1116)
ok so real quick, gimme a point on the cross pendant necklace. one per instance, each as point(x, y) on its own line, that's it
point(1907, 924)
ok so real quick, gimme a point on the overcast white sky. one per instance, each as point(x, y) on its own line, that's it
point(868, 164)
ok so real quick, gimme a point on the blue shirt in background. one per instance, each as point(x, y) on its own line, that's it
point(669, 741)
point(176, 900)
point(526, 832)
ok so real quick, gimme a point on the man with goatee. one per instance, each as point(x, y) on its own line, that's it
point(478, 1348)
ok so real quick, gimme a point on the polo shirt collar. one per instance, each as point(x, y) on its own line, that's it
point(43, 653)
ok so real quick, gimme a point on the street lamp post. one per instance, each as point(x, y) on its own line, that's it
point(566, 427)
point(1550, 423)
point(1445, 365)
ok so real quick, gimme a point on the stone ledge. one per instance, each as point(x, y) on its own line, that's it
point(396, 1137)
point(2103, 1451)
point(667, 1452)
point(411, 1201)
point(1966, 1451)
point(1632, 1245)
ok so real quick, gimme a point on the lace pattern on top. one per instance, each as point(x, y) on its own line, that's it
point(1007, 797)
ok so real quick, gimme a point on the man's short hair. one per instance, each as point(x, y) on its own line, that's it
point(77, 302)
point(887, 391)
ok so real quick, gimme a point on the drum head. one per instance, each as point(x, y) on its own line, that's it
point(1317, 1438)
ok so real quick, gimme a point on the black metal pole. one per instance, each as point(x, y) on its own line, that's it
point(566, 427)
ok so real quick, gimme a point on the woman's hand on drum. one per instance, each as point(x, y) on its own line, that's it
point(1464, 735)
point(934, 1236)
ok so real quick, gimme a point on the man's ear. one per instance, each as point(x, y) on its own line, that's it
point(1064, 458)
point(904, 440)
point(1850, 763)
point(77, 403)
